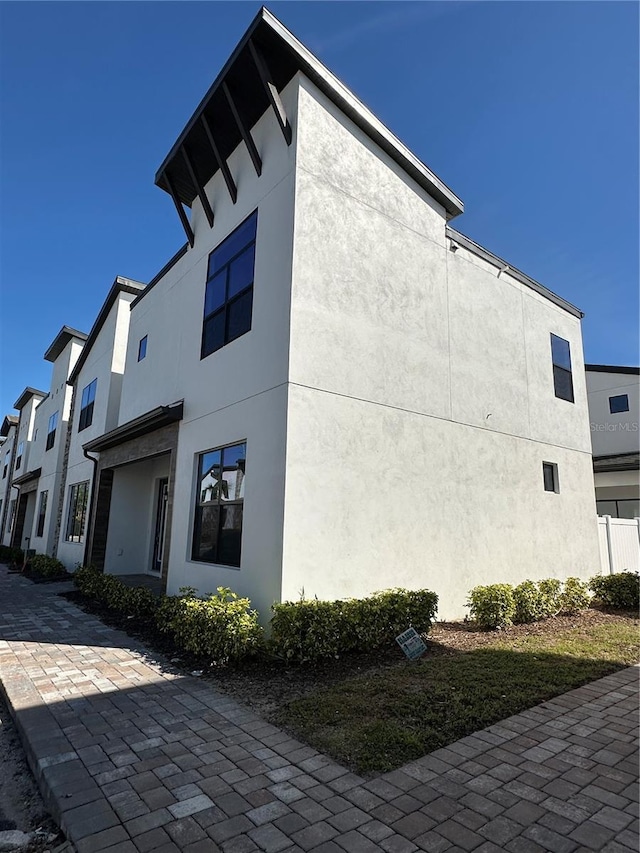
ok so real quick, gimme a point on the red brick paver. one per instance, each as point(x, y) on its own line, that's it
point(133, 756)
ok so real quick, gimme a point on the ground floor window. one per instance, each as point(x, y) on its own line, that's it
point(12, 515)
point(42, 512)
point(217, 529)
point(625, 508)
point(76, 515)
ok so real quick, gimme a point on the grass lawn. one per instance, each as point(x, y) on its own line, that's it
point(379, 721)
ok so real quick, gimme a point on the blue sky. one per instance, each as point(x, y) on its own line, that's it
point(527, 110)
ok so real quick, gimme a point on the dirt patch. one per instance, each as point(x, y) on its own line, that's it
point(21, 806)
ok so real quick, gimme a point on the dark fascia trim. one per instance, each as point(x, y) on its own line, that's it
point(610, 368)
point(149, 422)
point(160, 275)
point(266, 23)
point(520, 276)
point(616, 462)
point(30, 475)
point(7, 423)
point(63, 337)
point(120, 285)
point(26, 395)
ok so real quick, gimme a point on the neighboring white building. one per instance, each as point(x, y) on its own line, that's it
point(96, 380)
point(15, 517)
point(614, 412)
point(41, 476)
point(328, 390)
point(8, 433)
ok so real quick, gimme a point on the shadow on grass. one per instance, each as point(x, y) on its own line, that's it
point(377, 723)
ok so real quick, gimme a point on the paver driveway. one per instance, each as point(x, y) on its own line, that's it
point(134, 757)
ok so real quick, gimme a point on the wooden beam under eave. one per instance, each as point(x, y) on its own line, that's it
point(204, 201)
point(222, 163)
point(271, 91)
point(183, 216)
point(244, 130)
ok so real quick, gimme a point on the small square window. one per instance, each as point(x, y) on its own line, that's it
point(142, 348)
point(550, 477)
point(619, 404)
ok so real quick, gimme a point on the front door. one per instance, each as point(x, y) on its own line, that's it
point(161, 521)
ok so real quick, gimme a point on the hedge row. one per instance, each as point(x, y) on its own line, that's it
point(312, 630)
point(500, 605)
point(10, 555)
point(223, 627)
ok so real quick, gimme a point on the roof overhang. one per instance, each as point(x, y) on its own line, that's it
point(267, 57)
point(616, 462)
point(26, 478)
point(26, 395)
point(523, 278)
point(610, 368)
point(7, 423)
point(149, 422)
point(120, 285)
point(63, 337)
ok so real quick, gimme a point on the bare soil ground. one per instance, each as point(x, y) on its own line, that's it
point(21, 806)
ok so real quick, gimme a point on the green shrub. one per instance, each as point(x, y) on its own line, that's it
point(112, 593)
point(550, 597)
point(46, 567)
point(621, 591)
point(313, 630)
point(221, 627)
point(575, 596)
point(529, 605)
point(492, 606)
point(11, 555)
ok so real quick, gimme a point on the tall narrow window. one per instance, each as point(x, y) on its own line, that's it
point(76, 515)
point(42, 512)
point(51, 431)
point(5, 467)
point(550, 477)
point(217, 531)
point(86, 405)
point(562, 377)
point(12, 515)
point(142, 348)
point(228, 297)
point(19, 455)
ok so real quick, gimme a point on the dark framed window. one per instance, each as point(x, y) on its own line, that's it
point(142, 348)
point(562, 375)
point(51, 431)
point(217, 529)
point(228, 299)
point(19, 455)
point(42, 512)
point(550, 477)
point(76, 514)
point(618, 404)
point(622, 508)
point(86, 405)
point(5, 467)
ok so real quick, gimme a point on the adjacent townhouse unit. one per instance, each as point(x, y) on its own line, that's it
point(40, 477)
point(8, 433)
point(327, 390)
point(96, 381)
point(614, 410)
point(14, 514)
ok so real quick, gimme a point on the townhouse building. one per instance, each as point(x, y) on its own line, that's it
point(40, 477)
point(327, 390)
point(614, 410)
point(8, 433)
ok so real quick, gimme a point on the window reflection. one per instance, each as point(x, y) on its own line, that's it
point(218, 523)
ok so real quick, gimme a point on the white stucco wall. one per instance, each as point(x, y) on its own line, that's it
point(422, 403)
point(617, 433)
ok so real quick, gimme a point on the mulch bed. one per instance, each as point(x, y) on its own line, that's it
point(266, 684)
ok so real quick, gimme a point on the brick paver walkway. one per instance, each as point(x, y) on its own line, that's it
point(134, 757)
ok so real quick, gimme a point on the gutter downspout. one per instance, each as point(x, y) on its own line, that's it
point(89, 530)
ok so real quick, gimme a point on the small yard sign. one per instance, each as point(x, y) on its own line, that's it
point(411, 643)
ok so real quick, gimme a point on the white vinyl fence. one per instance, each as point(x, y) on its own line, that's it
point(619, 544)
